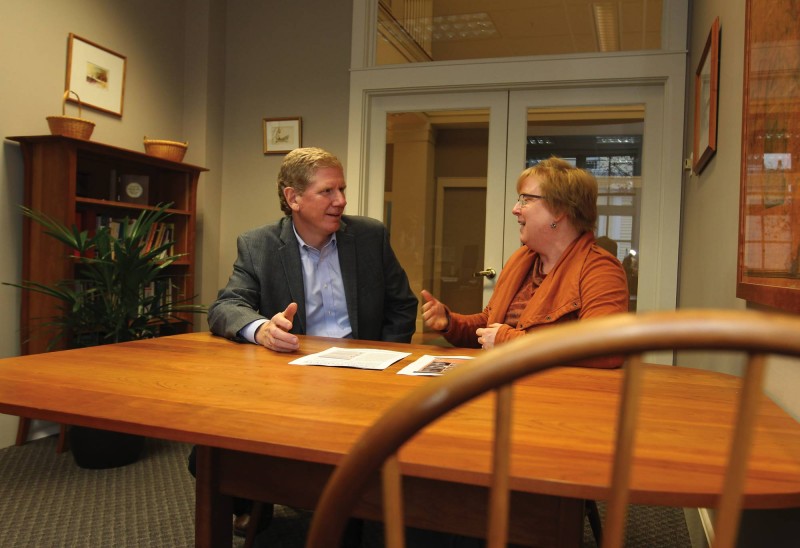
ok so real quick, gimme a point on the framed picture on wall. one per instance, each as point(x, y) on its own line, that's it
point(282, 135)
point(769, 200)
point(706, 88)
point(96, 74)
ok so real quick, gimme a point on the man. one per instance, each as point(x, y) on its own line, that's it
point(316, 271)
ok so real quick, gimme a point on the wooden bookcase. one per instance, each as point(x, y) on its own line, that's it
point(76, 181)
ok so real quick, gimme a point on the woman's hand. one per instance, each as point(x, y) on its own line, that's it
point(486, 335)
point(434, 313)
point(275, 335)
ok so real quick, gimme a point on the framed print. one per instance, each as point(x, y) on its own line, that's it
point(133, 188)
point(706, 88)
point(769, 201)
point(282, 135)
point(96, 74)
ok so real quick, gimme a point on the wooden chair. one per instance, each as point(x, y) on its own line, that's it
point(24, 427)
point(755, 333)
point(255, 519)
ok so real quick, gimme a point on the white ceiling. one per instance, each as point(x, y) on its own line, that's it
point(542, 27)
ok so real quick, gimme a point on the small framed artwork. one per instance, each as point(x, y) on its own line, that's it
point(282, 135)
point(706, 86)
point(133, 188)
point(96, 74)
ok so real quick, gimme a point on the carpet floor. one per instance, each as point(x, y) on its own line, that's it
point(47, 501)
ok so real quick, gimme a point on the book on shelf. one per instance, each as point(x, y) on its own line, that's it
point(115, 228)
point(112, 186)
point(169, 231)
point(151, 234)
point(160, 294)
point(158, 238)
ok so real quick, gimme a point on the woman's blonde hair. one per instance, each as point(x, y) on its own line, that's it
point(566, 189)
point(299, 167)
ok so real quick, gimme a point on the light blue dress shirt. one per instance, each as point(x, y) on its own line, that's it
point(326, 308)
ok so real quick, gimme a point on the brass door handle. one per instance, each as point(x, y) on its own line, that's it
point(488, 273)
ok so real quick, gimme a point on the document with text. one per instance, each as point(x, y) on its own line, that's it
point(359, 358)
point(432, 365)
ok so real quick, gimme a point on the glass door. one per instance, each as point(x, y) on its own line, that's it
point(618, 134)
point(437, 179)
point(608, 143)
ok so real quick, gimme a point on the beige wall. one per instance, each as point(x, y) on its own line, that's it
point(710, 234)
point(203, 121)
point(283, 59)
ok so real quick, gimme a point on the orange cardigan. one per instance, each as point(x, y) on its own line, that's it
point(586, 282)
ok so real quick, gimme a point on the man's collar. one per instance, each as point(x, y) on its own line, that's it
point(302, 242)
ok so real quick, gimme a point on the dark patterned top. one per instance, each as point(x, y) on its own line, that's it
point(525, 292)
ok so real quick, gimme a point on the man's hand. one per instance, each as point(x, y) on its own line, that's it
point(434, 313)
point(486, 335)
point(275, 335)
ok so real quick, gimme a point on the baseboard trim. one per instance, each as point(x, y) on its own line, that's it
point(700, 526)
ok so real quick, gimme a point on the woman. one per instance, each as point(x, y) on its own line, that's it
point(558, 274)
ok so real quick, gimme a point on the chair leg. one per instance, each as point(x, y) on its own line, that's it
point(22, 430)
point(63, 440)
point(260, 518)
point(252, 526)
point(594, 521)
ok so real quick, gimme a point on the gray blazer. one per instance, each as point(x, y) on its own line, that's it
point(268, 275)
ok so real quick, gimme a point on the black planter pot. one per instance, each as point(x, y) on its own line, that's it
point(96, 449)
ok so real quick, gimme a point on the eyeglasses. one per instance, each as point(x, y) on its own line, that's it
point(524, 199)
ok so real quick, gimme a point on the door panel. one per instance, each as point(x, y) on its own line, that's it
point(459, 246)
point(409, 149)
point(657, 225)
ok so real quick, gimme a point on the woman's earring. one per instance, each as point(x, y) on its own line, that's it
point(553, 225)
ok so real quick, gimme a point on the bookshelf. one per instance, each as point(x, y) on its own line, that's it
point(80, 182)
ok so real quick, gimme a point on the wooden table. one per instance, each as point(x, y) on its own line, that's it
point(274, 431)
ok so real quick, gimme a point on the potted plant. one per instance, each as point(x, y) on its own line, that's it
point(121, 291)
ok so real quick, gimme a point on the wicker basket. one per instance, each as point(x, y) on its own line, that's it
point(169, 150)
point(68, 125)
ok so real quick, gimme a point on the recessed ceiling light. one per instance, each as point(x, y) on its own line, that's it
point(463, 26)
point(606, 23)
